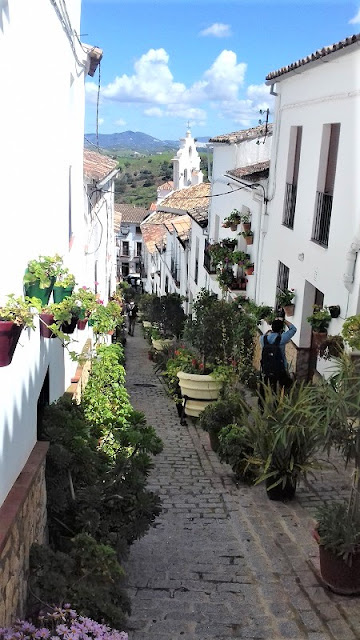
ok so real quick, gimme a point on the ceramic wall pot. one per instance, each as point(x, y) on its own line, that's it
point(9, 336)
point(334, 311)
point(337, 575)
point(289, 309)
point(46, 319)
point(60, 293)
point(33, 290)
point(81, 324)
point(249, 240)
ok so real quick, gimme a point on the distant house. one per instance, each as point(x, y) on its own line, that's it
point(42, 214)
point(312, 241)
point(129, 244)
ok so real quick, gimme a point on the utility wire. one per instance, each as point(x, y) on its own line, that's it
point(97, 108)
point(65, 22)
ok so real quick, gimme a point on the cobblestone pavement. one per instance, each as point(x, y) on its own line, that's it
point(223, 561)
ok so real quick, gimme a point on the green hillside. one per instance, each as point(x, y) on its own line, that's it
point(140, 176)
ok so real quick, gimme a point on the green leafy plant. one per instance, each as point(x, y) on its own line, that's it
point(234, 218)
point(285, 298)
point(320, 319)
point(332, 347)
point(88, 300)
point(43, 270)
point(351, 331)
point(339, 530)
point(218, 415)
point(64, 278)
point(21, 311)
point(247, 234)
point(235, 448)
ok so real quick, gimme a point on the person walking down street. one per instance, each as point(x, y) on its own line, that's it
point(274, 366)
point(132, 311)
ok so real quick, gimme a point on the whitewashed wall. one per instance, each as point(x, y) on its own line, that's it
point(42, 110)
point(327, 93)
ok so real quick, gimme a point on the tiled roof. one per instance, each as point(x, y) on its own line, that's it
point(320, 53)
point(153, 229)
point(251, 173)
point(182, 226)
point(97, 166)
point(201, 217)
point(246, 134)
point(166, 186)
point(152, 206)
point(191, 199)
point(127, 213)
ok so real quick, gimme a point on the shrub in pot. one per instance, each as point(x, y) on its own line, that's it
point(351, 331)
point(286, 434)
point(232, 220)
point(63, 285)
point(16, 314)
point(338, 524)
point(218, 415)
point(235, 448)
point(40, 276)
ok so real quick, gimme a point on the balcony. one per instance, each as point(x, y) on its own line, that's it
point(208, 264)
point(290, 204)
point(321, 226)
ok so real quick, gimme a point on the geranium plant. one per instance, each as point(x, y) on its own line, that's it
point(285, 298)
point(20, 311)
point(43, 270)
point(351, 331)
point(65, 279)
point(320, 319)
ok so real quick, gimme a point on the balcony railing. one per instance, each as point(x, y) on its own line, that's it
point(208, 263)
point(322, 218)
point(289, 206)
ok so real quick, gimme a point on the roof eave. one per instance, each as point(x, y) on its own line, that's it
point(101, 183)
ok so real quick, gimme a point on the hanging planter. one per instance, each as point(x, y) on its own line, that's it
point(248, 235)
point(40, 276)
point(334, 311)
point(60, 293)
point(9, 336)
point(289, 309)
point(81, 323)
point(34, 290)
point(69, 327)
point(46, 319)
point(249, 270)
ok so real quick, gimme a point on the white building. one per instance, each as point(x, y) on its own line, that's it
point(44, 114)
point(186, 164)
point(313, 214)
point(128, 237)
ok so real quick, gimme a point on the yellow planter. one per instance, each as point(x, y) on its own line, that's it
point(200, 390)
point(160, 344)
point(146, 324)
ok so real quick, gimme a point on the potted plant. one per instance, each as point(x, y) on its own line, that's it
point(229, 243)
point(351, 331)
point(88, 302)
point(248, 268)
point(232, 220)
point(319, 320)
point(218, 415)
point(285, 300)
point(240, 258)
point(249, 236)
point(16, 314)
point(338, 523)
point(334, 310)
point(40, 276)
point(286, 434)
point(63, 285)
point(47, 321)
point(246, 221)
point(225, 278)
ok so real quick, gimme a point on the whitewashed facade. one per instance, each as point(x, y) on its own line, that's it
point(186, 164)
point(313, 236)
point(128, 239)
point(44, 114)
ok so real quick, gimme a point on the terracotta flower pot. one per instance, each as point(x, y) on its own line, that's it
point(289, 309)
point(246, 226)
point(249, 239)
point(249, 271)
point(48, 319)
point(9, 336)
point(81, 324)
point(337, 575)
point(234, 226)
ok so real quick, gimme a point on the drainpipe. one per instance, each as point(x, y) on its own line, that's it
point(354, 249)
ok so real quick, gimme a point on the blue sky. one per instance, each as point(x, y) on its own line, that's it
point(169, 61)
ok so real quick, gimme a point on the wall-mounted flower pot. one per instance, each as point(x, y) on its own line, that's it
point(337, 575)
point(334, 311)
point(61, 293)
point(69, 327)
point(234, 226)
point(9, 336)
point(46, 319)
point(249, 270)
point(246, 226)
point(230, 245)
point(33, 290)
point(249, 240)
point(289, 309)
point(81, 324)
point(318, 338)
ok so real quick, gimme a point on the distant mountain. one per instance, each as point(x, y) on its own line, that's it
point(131, 140)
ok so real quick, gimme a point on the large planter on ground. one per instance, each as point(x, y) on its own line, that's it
point(200, 391)
point(46, 319)
point(159, 345)
point(337, 575)
point(9, 336)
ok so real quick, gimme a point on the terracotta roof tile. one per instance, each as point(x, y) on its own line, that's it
point(245, 134)
point(153, 229)
point(182, 226)
point(252, 173)
point(166, 186)
point(316, 55)
point(191, 199)
point(152, 206)
point(97, 166)
point(129, 213)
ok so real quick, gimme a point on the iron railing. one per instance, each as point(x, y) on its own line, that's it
point(321, 226)
point(289, 206)
point(208, 263)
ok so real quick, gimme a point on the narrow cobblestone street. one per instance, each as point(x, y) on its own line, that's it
point(223, 561)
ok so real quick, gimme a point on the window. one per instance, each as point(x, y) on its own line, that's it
point(292, 176)
point(138, 248)
point(196, 275)
point(138, 230)
point(326, 181)
point(125, 248)
point(166, 284)
point(208, 264)
point(282, 279)
point(125, 269)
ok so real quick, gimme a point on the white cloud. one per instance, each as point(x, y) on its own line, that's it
point(197, 116)
point(355, 19)
point(120, 122)
point(154, 112)
point(218, 30)
point(101, 121)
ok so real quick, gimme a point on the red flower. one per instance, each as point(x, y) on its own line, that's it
point(201, 366)
point(177, 352)
point(194, 362)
